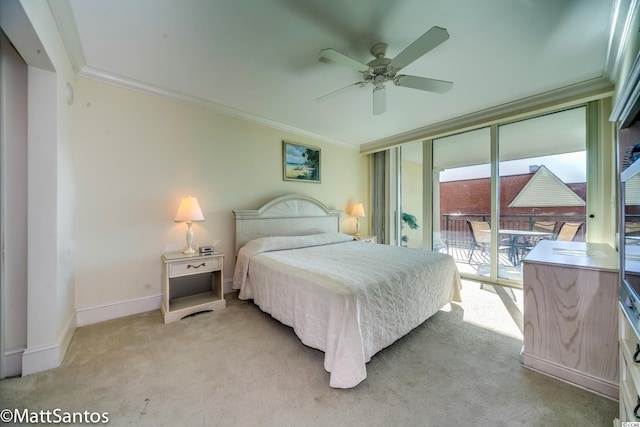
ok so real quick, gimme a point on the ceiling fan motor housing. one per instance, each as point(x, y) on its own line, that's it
point(379, 71)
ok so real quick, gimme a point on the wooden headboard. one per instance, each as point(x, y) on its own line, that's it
point(291, 215)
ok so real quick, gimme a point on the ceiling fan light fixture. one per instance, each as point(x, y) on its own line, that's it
point(381, 69)
point(379, 100)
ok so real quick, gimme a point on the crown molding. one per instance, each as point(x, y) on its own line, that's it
point(63, 16)
point(627, 106)
point(622, 18)
point(110, 78)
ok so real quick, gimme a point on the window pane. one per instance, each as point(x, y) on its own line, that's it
point(462, 198)
point(542, 184)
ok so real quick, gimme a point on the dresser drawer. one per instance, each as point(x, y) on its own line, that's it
point(184, 268)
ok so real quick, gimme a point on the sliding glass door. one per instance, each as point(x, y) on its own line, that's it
point(462, 199)
point(543, 183)
point(497, 191)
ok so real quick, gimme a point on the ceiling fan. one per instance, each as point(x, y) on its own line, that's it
point(381, 69)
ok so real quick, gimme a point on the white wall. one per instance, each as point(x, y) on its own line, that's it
point(31, 28)
point(104, 179)
point(42, 200)
point(13, 214)
point(136, 155)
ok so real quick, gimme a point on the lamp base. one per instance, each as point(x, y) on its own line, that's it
point(189, 250)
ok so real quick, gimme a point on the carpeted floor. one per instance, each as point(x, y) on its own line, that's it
point(239, 367)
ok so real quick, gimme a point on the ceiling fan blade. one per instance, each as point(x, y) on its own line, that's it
point(423, 83)
point(429, 40)
point(379, 100)
point(341, 58)
point(341, 90)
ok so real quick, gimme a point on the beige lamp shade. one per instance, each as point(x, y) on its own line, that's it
point(189, 210)
point(357, 210)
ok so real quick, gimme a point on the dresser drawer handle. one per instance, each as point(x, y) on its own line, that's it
point(203, 264)
point(636, 354)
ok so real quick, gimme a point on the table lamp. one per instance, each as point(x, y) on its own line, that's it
point(358, 211)
point(189, 211)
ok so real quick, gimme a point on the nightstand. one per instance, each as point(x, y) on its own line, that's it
point(190, 284)
point(368, 239)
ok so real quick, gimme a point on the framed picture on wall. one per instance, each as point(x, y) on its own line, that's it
point(300, 162)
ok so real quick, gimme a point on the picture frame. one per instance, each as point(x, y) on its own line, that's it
point(301, 163)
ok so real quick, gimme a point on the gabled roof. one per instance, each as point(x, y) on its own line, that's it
point(546, 189)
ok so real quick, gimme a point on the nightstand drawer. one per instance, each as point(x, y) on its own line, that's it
point(195, 266)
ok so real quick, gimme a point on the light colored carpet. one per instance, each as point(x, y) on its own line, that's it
point(239, 367)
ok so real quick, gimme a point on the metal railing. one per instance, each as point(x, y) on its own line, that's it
point(454, 230)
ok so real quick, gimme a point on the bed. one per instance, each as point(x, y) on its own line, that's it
point(347, 298)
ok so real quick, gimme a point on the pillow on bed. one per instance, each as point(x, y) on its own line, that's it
point(275, 243)
point(266, 244)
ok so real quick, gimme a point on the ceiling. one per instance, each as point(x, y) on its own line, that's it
point(259, 59)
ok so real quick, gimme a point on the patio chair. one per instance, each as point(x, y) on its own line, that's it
point(548, 226)
point(530, 242)
point(632, 229)
point(569, 231)
point(481, 238)
point(632, 233)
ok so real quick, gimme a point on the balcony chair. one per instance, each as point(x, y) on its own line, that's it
point(530, 242)
point(548, 226)
point(632, 233)
point(569, 231)
point(481, 238)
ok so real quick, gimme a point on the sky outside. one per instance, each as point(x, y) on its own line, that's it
point(569, 167)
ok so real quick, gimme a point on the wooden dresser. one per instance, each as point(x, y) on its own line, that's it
point(571, 314)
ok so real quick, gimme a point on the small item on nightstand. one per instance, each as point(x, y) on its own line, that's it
point(206, 250)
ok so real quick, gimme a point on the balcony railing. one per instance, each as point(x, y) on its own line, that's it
point(455, 233)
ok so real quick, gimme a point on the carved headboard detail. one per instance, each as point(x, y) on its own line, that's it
point(291, 215)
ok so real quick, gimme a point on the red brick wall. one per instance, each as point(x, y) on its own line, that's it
point(473, 197)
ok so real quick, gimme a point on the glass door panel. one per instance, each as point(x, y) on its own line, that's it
point(462, 200)
point(542, 186)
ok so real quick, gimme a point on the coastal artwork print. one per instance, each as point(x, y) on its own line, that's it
point(301, 162)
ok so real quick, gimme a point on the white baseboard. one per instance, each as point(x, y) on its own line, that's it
point(87, 316)
point(49, 356)
point(40, 358)
point(12, 362)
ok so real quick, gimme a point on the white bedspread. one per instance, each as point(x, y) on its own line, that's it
point(349, 299)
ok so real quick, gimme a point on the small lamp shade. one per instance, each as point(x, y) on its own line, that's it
point(189, 210)
point(358, 210)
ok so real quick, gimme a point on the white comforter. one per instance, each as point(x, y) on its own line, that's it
point(349, 299)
